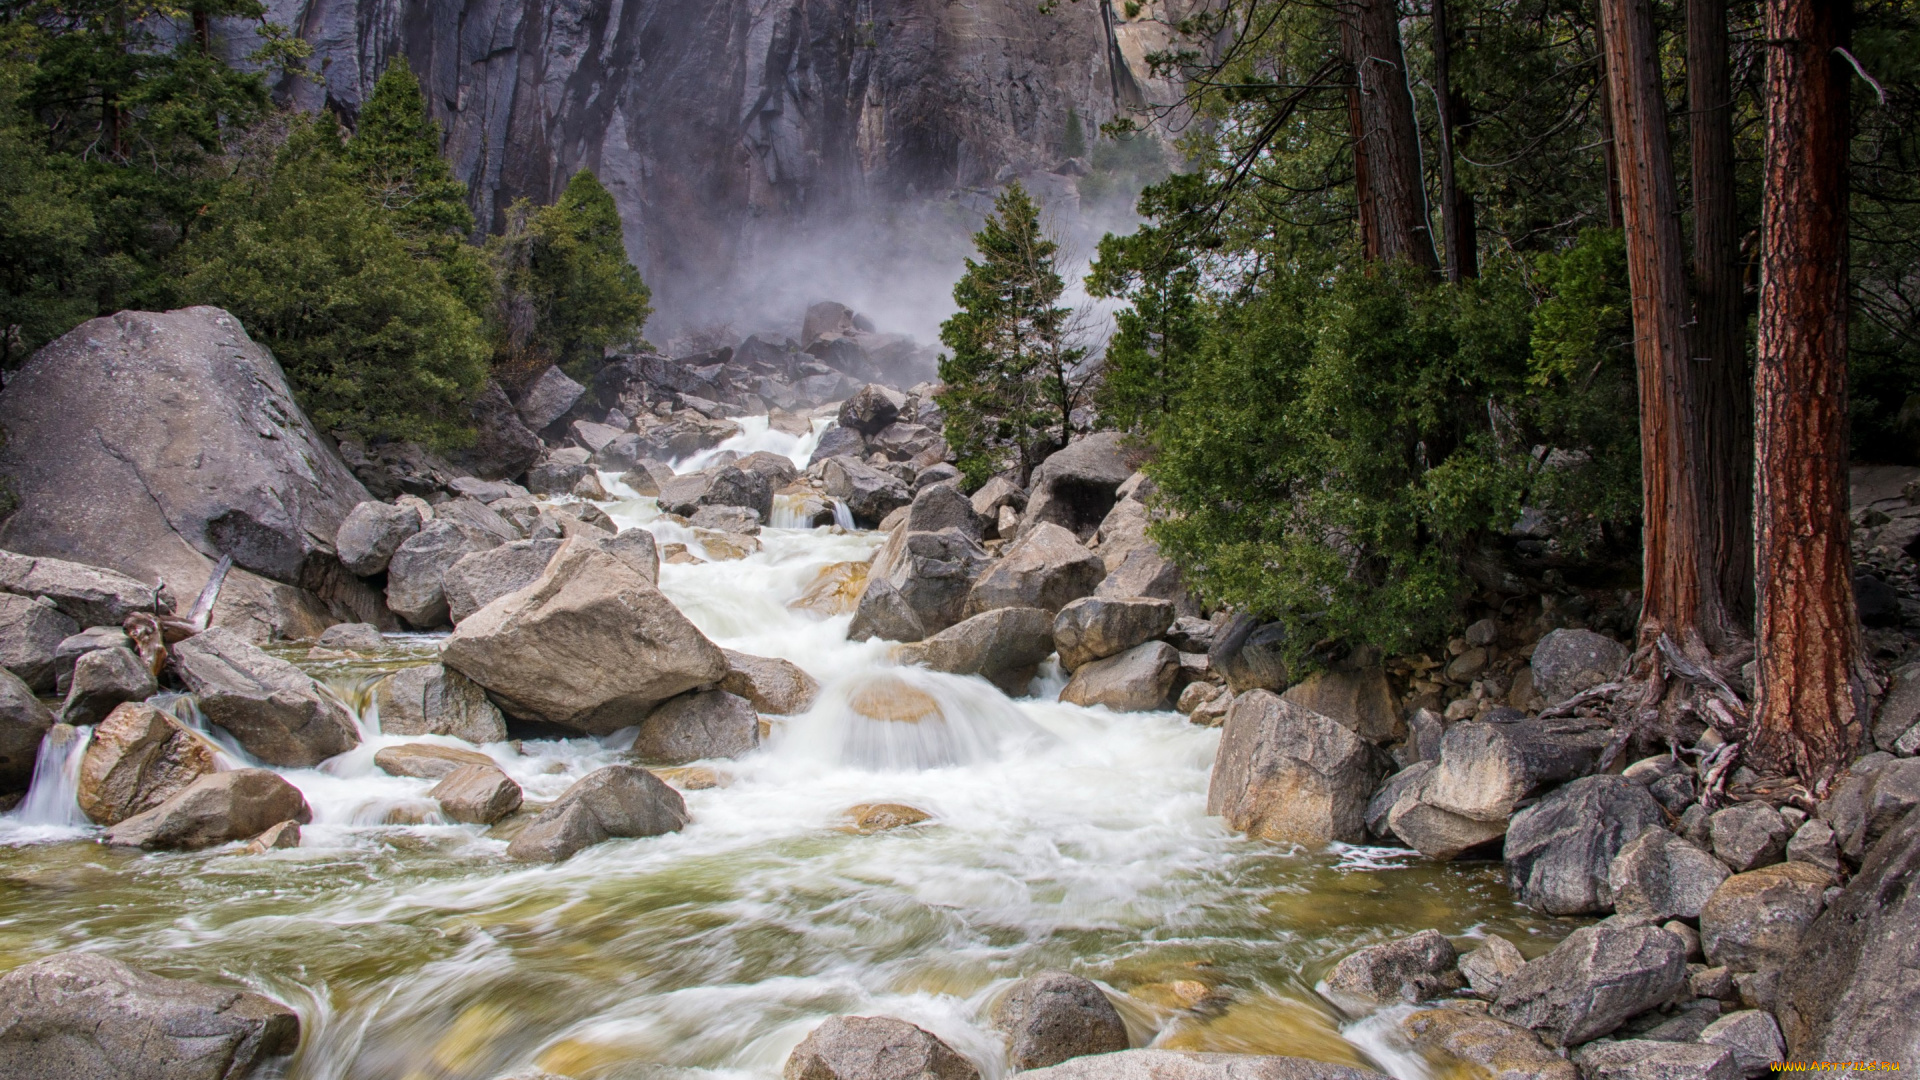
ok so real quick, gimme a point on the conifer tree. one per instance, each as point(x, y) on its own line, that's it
point(395, 152)
point(1014, 377)
point(567, 289)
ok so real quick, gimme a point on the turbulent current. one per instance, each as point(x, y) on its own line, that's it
point(1059, 838)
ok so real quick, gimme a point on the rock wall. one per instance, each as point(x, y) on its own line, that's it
point(726, 128)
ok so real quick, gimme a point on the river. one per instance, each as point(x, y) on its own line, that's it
point(1060, 838)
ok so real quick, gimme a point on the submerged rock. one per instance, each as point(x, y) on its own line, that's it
point(279, 714)
point(84, 1015)
point(215, 809)
point(1285, 773)
point(1053, 1016)
point(139, 757)
point(695, 726)
point(1005, 646)
point(875, 1048)
point(868, 818)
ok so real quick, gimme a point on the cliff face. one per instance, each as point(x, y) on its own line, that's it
point(723, 126)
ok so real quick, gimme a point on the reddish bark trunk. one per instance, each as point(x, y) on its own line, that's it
point(1608, 155)
point(1363, 180)
point(1682, 596)
point(1370, 36)
point(1810, 709)
point(1456, 206)
point(1719, 335)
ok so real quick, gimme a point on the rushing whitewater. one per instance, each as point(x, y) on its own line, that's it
point(1060, 838)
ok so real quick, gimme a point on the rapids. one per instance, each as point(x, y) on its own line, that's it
point(1061, 837)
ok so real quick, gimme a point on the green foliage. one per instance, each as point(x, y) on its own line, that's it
point(377, 343)
point(1154, 270)
point(46, 228)
point(395, 152)
point(567, 290)
point(1013, 378)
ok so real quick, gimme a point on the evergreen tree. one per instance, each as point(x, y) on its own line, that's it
point(47, 276)
point(1149, 356)
point(395, 152)
point(1014, 377)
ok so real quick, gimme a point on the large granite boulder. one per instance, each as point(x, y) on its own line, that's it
point(1092, 628)
point(434, 700)
point(138, 758)
point(1851, 990)
point(476, 794)
point(31, 630)
point(1411, 969)
point(1075, 488)
point(919, 585)
point(102, 680)
point(214, 809)
point(590, 645)
point(1285, 773)
point(478, 578)
point(1566, 662)
point(279, 714)
point(1663, 876)
point(1250, 655)
point(1754, 921)
point(23, 723)
point(1045, 568)
point(1182, 1065)
point(548, 398)
point(372, 532)
point(1053, 1016)
point(698, 725)
point(773, 686)
point(1137, 680)
point(416, 575)
point(875, 1048)
point(1005, 646)
point(1560, 851)
point(868, 492)
point(152, 443)
point(1487, 767)
point(1358, 697)
point(89, 595)
point(1593, 981)
point(615, 801)
point(941, 506)
point(82, 1016)
point(871, 408)
point(503, 445)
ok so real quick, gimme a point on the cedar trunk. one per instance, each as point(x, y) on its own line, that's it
point(1719, 333)
point(1456, 206)
point(1810, 709)
point(1682, 594)
point(1385, 136)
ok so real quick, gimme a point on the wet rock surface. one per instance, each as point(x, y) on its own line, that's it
point(214, 809)
point(1411, 969)
point(612, 802)
point(139, 757)
point(875, 1048)
point(278, 713)
point(1285, 773)
point(1053, 1016)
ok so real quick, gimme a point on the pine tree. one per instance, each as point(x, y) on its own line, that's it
point(567, 289)
point(1014, 377)
point(395, 152)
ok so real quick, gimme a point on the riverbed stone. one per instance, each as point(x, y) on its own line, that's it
point(875, 1048)
point(1656, 1059)
point(1814, 843)
point(1593, 981)
point(434, 700)
point(214, 809)
point(1094, 628)
point(74, 646)
point(89, 595)
point(1137, 680)
point(1358, 697)
point(699, 725)
point(138, 758)
point(1663, 876)
point(1488, 767)
point(611, 802)
point(1005, 646)
point(1411, 969)
point(31, 630)
point(1045, 568)
point(1186, 1065)
point(1380, 807)
point(277, 837)
point(82, 1015)
point(591, 645)
point(476, 794)
point(1566, 662)
point(1250, 655)
point(774, 686)
point(1433, 832)
point(869, 493)
point(279, 714)
point(427, 761)
point(918, 585)
point(371, 532)
point(1488, 967)
point(1560, 851)
point(1754, 921)
point(1286, 773)
point(738, 520)
point(1053, 1016)
point(478, 578)
point(416, 589)
point(1749, 835)
point(1505, 1051)
point(869, 818)
point(355, 637)
point(23, 723)
point(102, 680)
point(1752, 1035)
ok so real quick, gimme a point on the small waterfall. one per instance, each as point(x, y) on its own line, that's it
point(786, 514)
point(53, 800)
point(228, 753)
point(908, 719)
point(842, 516)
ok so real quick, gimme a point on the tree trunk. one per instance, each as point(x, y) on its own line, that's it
point(1608, 156)
point(1370, 36)
point(1456, 206)
point(1719, 334)
point(1363, 180)
point(1682, 595)
point(1811, 704)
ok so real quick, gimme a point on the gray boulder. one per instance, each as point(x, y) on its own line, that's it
point(1005, 646)
point(1250, 655)
point(1053, 1016)
point(215, 809)
point(875, 1048)
point(739, 520)
point(1045, 568)
point(138, 758)
point(735, 486)
point(1891, 795)
point(279, 714)
point(416, 574)
point(1143, 571)
point(591, 645)
point(23, 723)
point(1753, 1037)
point(1285, 773)
point(1488, 967)
point(1076, 487)
point(869, 493)
point(1411, 969)
point(555, 478)
point(838, 442)
point(152, 443)
point(1896, 726)
point(103, 680)
point(1092, 628)
point(1663, 876)
point(941, 506)
point(1754, 921)
point(1137, 680)
point(1566, 662)
point(773, 686)
point(89, 595)
point(637, 549)
point(433, 700)
point(503, 446)
point(1380, 807)
point(919, 585)
point(1505, 1051)
point(476, 794)
point(547, 399)
point(996, 493)
point(695, 726)
point(478, 578)
point(871, 409)
point(1749, 835)
point(31, 630)
point(1560, 851)
point(371, 532)
point(74, 646)
point(1593, 981)
point(1655, 1059)
point(615, 801)
point(1433, 832)
point(1814, 843)
point(1358, 697)
point(364, 637)
point(1182, 1065)
point(81, 1016)
point(1487, 767)
point(777, 468)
